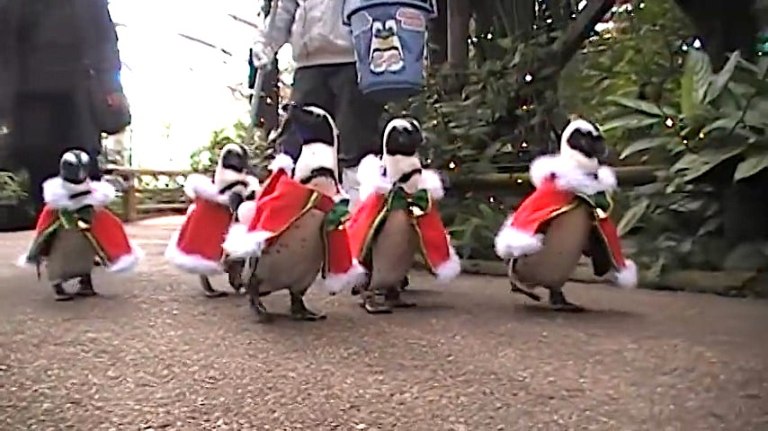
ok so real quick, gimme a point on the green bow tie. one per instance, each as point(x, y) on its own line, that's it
point(417, 203)
point(338, 215)
point(600, 201)
point(80, 218)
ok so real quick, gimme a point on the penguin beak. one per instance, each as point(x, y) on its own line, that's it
point(74, 173)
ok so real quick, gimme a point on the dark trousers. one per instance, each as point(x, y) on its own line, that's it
point(334, 88)
point(46, 126)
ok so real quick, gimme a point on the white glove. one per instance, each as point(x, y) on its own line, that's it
point(262, 55)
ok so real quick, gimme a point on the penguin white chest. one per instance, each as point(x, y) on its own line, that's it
point(294, 260)
point(394, 250)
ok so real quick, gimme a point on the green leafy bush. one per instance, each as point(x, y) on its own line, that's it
point(714, 135)
point(13, 187)
point(204, 159)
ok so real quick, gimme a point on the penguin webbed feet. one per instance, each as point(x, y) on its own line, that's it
point(254, 298)
point(234, 269)
point(375, 302)
point(559, 302)
point(210, 292)
point(299, 310)
point(394, 298)
point(84, 289)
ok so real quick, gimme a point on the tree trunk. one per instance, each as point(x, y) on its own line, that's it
point(458, 32)
point(438, 36)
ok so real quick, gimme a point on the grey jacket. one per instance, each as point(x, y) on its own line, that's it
point(314, 30)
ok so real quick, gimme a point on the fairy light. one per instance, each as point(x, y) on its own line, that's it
point(519, 181)
point(491, 199)
point(669, 122)
point(528, 77)
point(524, 145)
point(451, 165)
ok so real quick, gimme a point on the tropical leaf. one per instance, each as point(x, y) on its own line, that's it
point(632, 216)
point(629, 122)
point(643, 106)
point(696, 77)
point(645, 144)
point(721, 79)
point(752, 165)
point(694, 165)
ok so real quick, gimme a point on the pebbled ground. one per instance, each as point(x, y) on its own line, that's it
point(153, 353)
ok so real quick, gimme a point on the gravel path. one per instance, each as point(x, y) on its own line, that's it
point(153, 353)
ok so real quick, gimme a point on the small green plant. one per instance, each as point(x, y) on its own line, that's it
point(12, 187)
point(204, 159)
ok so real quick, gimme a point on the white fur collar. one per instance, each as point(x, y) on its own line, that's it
point(200, 186)
point(57, 193)
point(372, 179)
point(569, 176)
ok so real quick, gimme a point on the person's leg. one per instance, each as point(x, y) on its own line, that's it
point(357, 118)
point(84, 134)
point(38, 142)
point(310, 86)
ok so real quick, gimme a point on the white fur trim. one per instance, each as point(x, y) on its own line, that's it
point(200, 186)
point(254, 185)
point(370, 175)
point(449, 269)
point(57, 192)
point(282, 162)
point(313, 156)
point(570, 177)
point(511, 242)
point(192, 263)
point(241, 243)
point(336, 283)
point(626, 277)
point(246, 211)
point(129, 261)
point(23, 262)
point(431, 182)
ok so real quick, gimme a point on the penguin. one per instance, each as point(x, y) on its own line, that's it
point(398, 218)
point(567, 215)
point(297, 230)
point(75, 231)
point(197, 246)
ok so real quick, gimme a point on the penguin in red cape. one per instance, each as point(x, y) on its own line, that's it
point(75, 230)
point(297, 229)
point(197, 246)
point(398, 217)
point(567, 216)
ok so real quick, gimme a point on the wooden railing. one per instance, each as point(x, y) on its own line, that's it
point(140, 201)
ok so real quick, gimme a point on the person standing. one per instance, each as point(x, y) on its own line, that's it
point(325, 75)
point(59, 78)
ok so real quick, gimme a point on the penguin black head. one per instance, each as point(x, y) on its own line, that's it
point(316, 135)
point(234, 157)
point(402, 137)
point(303, 125)
point(73, 166)
point(583, 142)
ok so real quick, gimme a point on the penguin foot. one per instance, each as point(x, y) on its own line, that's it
point(558, 302)
point(235, 275)
point(210, 292)
point(395, 300)
point(299, 310)
point(376, 303)
point(517, 289)
point(262, 315)
point(405, 283)
point(85, 287)
point(61, 293)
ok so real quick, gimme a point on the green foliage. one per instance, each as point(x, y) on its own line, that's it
point(204, 159)
point(474, 221)
point(12, 187)
point(641, 53)
point(714, 135)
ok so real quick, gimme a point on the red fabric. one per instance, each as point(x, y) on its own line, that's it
point(540, 206)
point(546, 202)
point(434, 245)
point(204, 230)
point(339, 257)
point(106, 228)
point(361, 222)
point(280, 204)
point(434, 240)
